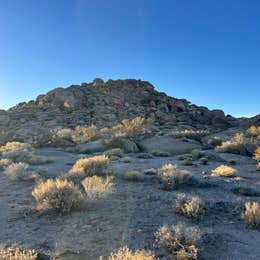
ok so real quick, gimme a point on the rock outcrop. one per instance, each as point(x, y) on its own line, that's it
point(104, 104)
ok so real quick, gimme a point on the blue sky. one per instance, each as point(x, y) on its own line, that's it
point(207, 51)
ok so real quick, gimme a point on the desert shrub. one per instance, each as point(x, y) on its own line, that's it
point(179, 241)
point(124, 253)
point(160, 153)
point(182, 157)
point(79, 135)
point(145, 156)
point(89, 166)
point(258, 166)
point(223, 171)
point(236, 145)
point(171, 177)
point(192, 134)
point(192, 207)
point(19, 171)
point(17, 151)
point(257, 154)
point(114, 152)
point(151, 171)
point(203, 160)
point(126, 159)
point(4, 163)
point(252, 215)
point(130, 128)
point(254, 131)
point(134, 176)
point(16, 253)
point(57, 195)
point(196, 154)
point(213, 141)
point(187, 162)
point(97, 187)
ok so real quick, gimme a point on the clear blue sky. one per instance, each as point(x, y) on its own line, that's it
point(207, 51)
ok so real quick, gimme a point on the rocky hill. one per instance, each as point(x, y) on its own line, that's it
point(104, 104)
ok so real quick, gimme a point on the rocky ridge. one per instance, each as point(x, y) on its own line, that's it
point(105, 104)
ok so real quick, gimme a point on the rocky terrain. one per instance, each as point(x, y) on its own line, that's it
point(104, 104)
point(168, 148)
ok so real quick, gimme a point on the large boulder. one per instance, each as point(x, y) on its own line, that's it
point(167, 144)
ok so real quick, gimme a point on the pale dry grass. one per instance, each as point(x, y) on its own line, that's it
point(124, 253)
point(171, 177)
point(252, 215)
point(192, 207)
point(96, 187)
point(180, 241)
point(58, 195)
point(188, 133)
point(257, 154)
point(223, 171)
point(15, 253)
point(90, 166)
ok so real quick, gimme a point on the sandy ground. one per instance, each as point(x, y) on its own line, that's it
point(132, 214)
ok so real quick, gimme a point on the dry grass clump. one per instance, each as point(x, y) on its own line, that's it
point(192, 207)
point(172, 178)
point(179, 241)
point(89, 166)
point(236, 145)
point(134, 176)
point(79, 135)
point(124, 253)
point(214, 141)
point(57, 195)
point(192, 134)
point(254, 131)
point(17, 151)
point(223, 171)
point(19, 171)
point(15, 253)
point(130, 128)
point(96, 187)
point(252, 215)
point(4, 163)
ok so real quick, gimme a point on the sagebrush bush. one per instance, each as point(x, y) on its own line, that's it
point(130, 128)
point(192, 207)
point(257, 154)
point(79, 135)
point(134, 176)
point(214, 141)
point(180, 241)
point(16, 253)
point(90, 166)
point(236, 145)
point(171, 177)
point(124, 253)
point(97, 187)
point(114, 152)
point(223, 171)
point(197, 154)
point(58, 195)
point(17, 151)
point(251, 214)
point(19, 171)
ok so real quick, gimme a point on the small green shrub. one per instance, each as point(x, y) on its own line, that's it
point(114, 152)
point(180, 241)
point(197, 154)
point(160, 153)
point(134, 176)
point(58, 195)
point(145, 156)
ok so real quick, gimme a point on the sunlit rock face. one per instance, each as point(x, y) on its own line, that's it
point(105, 104)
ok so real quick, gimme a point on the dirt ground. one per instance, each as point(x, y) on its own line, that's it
point(132, 214)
